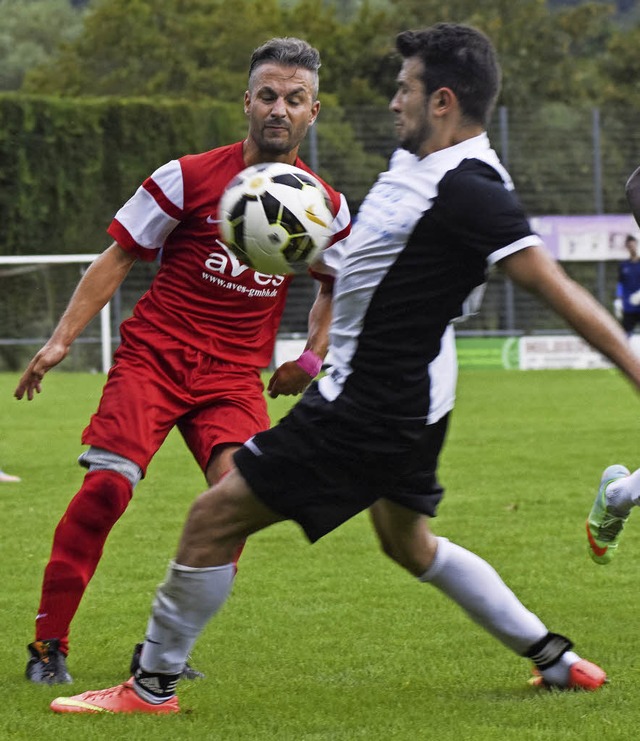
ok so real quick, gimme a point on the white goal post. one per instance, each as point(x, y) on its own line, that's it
point(105, 313)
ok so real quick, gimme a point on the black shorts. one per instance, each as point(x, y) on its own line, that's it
point(630, 320)
point(326, 461)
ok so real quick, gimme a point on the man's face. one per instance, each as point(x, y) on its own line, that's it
point(281, 106)
point(410, 105)
point(632, 247)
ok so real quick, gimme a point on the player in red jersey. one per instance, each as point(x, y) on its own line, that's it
point(191, 354)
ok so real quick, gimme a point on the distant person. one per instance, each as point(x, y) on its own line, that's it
point(192, 354)
point(362, 437)
point(627, 300)
point(6, 478)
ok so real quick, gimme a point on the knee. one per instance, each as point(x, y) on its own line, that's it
point(98, 459)
point(415, 555)
point(396, 551)
point(100, 502)
point(214, 518)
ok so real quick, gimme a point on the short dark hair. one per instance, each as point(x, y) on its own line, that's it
point(631, 238)
point(289, 51)
point(458, 57)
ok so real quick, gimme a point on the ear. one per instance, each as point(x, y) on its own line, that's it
point(443, 100)
point(315, 109)
point(247, 100)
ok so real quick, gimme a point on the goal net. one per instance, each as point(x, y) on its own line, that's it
point(34, 291)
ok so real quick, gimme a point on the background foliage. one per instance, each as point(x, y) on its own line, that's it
point(98, 94)
point(569, 52)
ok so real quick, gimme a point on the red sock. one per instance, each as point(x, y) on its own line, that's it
point(238, 553)
point(77, 547)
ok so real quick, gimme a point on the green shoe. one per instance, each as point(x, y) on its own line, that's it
point(603, 527)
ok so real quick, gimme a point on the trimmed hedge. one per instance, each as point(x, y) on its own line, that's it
point(66, 165)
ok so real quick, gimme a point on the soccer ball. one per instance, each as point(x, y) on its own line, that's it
point(275, 217)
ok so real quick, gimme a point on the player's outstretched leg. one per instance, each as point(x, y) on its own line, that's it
point(184, 603)
point(606, 521)
point(479, 590)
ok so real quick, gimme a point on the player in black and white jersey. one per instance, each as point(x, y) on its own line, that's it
point(368, 435)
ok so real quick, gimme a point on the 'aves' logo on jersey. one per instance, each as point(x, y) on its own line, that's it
point(225, 263)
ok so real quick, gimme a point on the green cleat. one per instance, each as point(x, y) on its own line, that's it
point(604, 527)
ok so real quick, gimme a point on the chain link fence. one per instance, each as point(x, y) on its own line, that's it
point(563, 161)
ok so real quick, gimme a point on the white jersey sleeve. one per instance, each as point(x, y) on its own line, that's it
point(328, 262)
point(155, 209)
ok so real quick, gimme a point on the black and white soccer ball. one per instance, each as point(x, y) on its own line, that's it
point(275, 217)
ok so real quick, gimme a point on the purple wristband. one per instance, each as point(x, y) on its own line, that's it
point(310, 363)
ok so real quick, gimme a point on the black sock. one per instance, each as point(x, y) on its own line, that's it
point(155, 688)
point(547, 651)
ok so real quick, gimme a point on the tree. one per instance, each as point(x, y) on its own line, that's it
point(545, 55)
point(622, 67)
point(180, 48)
point(30, 34)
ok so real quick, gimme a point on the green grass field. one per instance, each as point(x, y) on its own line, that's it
point(333, 642)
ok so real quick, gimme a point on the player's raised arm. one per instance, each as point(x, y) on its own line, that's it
point(632, 190)
point(95, 289)
point(535, 270)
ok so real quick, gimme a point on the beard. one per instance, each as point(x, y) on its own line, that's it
point(413, 140)
point(280, 143)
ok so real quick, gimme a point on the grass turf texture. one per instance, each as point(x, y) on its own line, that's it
point(333, 642)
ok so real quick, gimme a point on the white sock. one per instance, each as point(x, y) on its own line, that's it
point(184, 604)
point(478, 589)
point(623, 494)
point(558, 674)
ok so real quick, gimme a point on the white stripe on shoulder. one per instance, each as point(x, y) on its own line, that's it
point(145, 221)
point(168, 178)
point(533, 240)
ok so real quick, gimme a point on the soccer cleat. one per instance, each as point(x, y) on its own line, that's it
point(583, 675)
point(119, 699)
point(604, 528)
point(188, 672)
point(7, 478)
point(47, 664)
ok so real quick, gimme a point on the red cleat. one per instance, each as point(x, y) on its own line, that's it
point(120, 699)
point(583, 675)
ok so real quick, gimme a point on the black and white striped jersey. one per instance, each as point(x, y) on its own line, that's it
point(421, 245)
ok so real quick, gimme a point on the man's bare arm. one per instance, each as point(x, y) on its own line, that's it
point(95, 289)
point(535, 270)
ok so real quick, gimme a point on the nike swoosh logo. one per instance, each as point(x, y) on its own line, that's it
point(211, 220)
point(71, 702)
point(594, 546)
point(311, 215)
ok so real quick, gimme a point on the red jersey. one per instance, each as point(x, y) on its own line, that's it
point(202, 294)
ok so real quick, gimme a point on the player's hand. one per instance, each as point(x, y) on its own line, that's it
point(634, 299)
point(617, 308)
point(45, 359)
point(287, 380)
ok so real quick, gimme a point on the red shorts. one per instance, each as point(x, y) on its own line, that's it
point(157, 383)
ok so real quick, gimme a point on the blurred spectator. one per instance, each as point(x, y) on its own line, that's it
point(626, 304)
